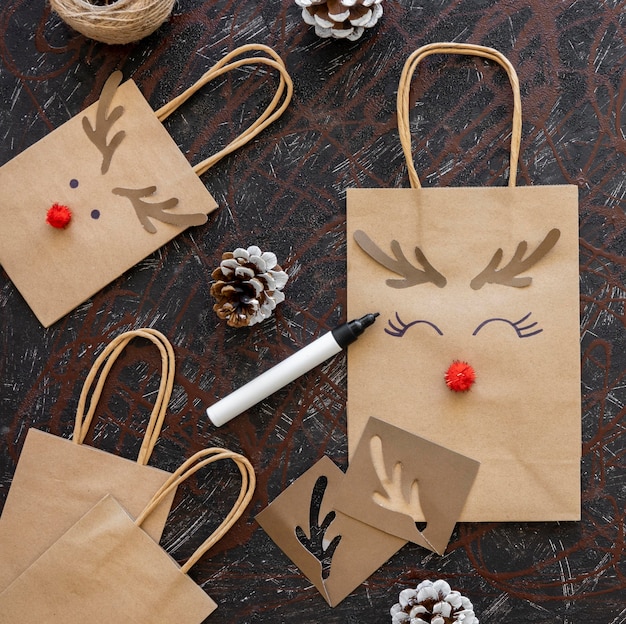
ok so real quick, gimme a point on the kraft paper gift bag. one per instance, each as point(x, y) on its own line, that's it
point(57, 480)
point(106, 568)
point(478, 350)
point(120, 179)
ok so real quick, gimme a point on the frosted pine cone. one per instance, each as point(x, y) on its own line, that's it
point(343, 19)
point(432, 603)
point(248, 286)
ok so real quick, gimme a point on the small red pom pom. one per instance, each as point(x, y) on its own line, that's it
point(460, 376)
point(58, 216)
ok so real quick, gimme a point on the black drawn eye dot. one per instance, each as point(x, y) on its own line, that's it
point(95, 214)
point(73, 183)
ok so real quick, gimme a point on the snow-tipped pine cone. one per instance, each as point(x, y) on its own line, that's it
point(432, 603)
point(343, 19)
point(247, 287)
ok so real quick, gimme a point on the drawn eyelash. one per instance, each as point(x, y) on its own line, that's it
point(522, 331)
point(400, 330)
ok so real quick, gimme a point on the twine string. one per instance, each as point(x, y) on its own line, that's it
point(119, 22)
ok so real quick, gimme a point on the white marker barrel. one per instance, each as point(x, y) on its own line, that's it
point(286, 371)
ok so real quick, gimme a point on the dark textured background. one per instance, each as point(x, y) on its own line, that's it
point(286, 193)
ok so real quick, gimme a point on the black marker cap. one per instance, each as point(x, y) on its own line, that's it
point(348, 332)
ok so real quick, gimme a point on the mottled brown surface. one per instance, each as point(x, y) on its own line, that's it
point(286, 193)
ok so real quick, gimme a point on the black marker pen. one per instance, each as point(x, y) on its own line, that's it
point(286, 371)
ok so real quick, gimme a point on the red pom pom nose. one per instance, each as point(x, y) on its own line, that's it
point(58, 216)
point(460, 376)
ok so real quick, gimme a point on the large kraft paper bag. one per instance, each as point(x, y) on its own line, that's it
point(106, 568)
point(485, 278)
point(57, 480)
point(127, 185)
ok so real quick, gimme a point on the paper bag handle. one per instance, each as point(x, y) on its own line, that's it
point(101, 369)
point(455, 48)
point(271, 113)
point(185, 470)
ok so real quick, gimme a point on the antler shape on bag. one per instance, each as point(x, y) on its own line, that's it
point(393, 498)
point(156, 210)
point(98, 134)
point(507, 275)
point(412, 275)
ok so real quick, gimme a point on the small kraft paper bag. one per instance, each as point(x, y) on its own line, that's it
point(478, 348)
point(111, 188)
point(106, 568)
point(57, 480)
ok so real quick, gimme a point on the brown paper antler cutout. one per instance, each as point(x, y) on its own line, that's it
point(507, 275)
point(412, 275)
point(156, 210)
point(97, 133)
point(491, 274)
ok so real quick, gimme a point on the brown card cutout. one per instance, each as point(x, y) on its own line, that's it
point(97, 133)
point(406, 485)
point(129, 188)
point(334, 551)
point(507, 275)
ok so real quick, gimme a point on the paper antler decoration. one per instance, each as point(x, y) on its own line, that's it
point(121, 190)
point(508, 275)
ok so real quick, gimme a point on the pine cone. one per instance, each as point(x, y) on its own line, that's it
point(248, 286)
point(432, 603)
point(343, 19)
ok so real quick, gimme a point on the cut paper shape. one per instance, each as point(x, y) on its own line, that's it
point(317, 544)
point(393, 496)
point(97, 133)
point(118, 170)
point(156, 210)
point(397, 481)
point(412, 275)
point(345, 551)
point(508, 275)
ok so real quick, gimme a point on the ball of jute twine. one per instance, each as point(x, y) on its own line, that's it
point(115, 21)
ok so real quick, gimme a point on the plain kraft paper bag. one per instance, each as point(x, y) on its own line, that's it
point(128, 187)
point(57, 480)
point(106, 568)
point(485, 277)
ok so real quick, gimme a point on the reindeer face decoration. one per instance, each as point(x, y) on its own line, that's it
point(460, 376)
point(487, 277)
point(127, 185)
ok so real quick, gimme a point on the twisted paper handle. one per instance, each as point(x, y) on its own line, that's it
point(271, 113)
point(100, 371)
point(455, 48)
point(192, 465)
